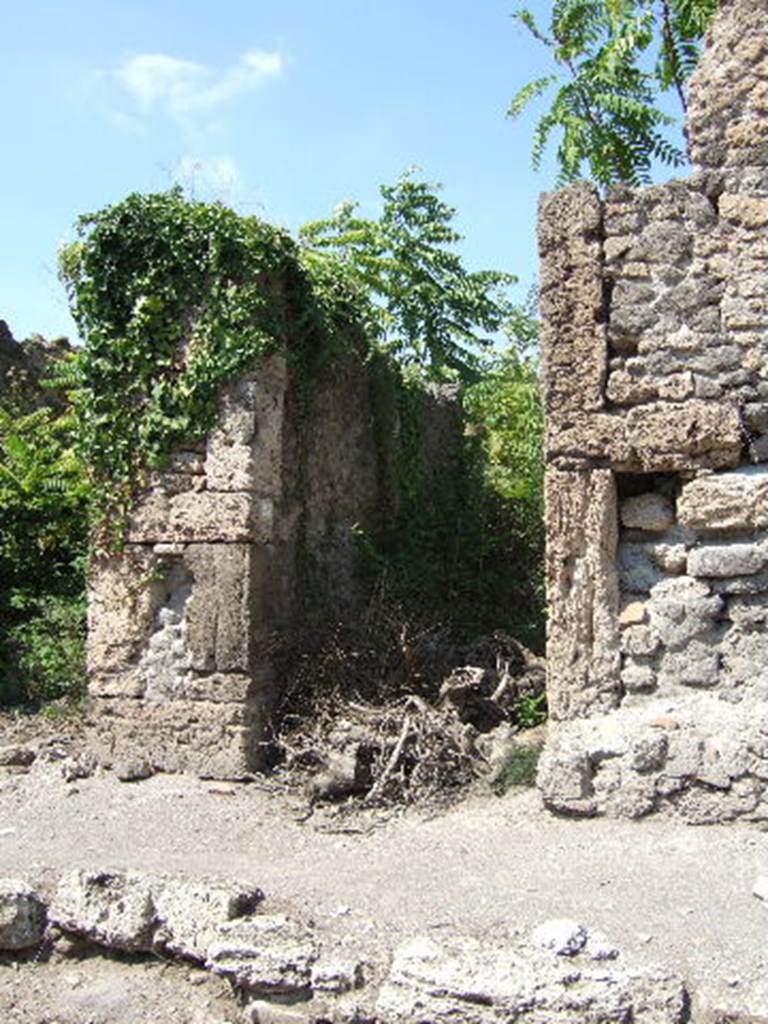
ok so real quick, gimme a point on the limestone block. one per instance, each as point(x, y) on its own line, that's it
point(726, 501)
point(204, 516)
point(574, 342)
point(123, 595)
point(245, 450)
point(652, 512)
point(188, 912)
point(640, 641)
point(109, 908)
point(697, 664)
point(134, 912)
point(638, 678)
point(730, 559)
point(744, 654)
point(266, 954)
point(625, 389)
point(682, 608)
point(22, 916)
point(695, 428)
point(224, 616)
point(466, 979)
point(213, 739)
point(583, 644)
point(638, 572)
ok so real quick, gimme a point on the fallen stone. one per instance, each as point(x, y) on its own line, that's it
point(336, 976)
point(108, 908)
point(188, 912)
point(22, 916)
point(464, 979)
point(16, 756)
point(149, 913)
point(133, 770)
point(269, 954)
point(259, 1011)
point(760, 888)
point(560, 936)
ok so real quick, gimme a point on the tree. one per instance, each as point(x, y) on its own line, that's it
point(615, 59)
point(427, 308)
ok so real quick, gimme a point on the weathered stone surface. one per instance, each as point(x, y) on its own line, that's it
point(109, 908)
point(726, 501)
point(725, 560)
point(707, 765)
point(728, 91)
point(268, 954)
point(560, 936)
point(22, 916)
point(142, 913)
point(653, 512)
point(583, 651)
point(468, 980)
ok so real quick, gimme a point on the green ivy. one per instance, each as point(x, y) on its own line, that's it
point(173, 298)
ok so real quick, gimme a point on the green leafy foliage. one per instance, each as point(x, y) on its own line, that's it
point(615, 59)
point(428, 310)
point(43, 537)
point(172, 299)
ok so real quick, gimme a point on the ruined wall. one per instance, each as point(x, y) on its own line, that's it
point(230, 548)
point(655, 304)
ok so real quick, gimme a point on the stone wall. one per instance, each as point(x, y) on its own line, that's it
point(655, 303)
point(231, 548)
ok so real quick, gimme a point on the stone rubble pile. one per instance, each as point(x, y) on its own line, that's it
point(285, 971)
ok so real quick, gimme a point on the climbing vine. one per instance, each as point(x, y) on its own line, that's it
point(172, 298)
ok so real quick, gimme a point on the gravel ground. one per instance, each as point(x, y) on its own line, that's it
point(665, 892)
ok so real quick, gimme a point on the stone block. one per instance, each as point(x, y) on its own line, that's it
point(213, 739)
point(23, 916)
point(724, 560)
point(245, 450)
point(201, 517)
point(651, 512)
point(736, 500)
point(268, 954)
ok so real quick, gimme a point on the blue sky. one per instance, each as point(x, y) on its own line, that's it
point(280, 107)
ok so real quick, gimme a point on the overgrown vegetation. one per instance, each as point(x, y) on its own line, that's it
point(173, 298)
point(43, 539)
point(616, 62)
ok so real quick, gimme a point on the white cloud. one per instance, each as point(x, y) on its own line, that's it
point(215, 176)
point(179, 89)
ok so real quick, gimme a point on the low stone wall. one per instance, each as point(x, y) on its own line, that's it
point(655, 305)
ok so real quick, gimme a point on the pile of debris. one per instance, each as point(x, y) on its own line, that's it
point(444, 716)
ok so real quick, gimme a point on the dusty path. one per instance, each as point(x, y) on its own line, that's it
point(666, 892)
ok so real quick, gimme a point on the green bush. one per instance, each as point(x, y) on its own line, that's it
point(43, 538)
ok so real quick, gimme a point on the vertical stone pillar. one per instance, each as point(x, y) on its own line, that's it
point(180, 621)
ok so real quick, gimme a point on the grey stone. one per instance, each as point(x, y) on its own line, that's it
point(651, 512)
point(638, 678)
point(131, 912)
point(22, 916)
point(464, 979)
point(108, 908)
point(560, 936)
point(268, 954)
point(736, 559)
point(336, 975)
point(760, 888)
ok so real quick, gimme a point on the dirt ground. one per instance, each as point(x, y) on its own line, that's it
point(665, 892)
